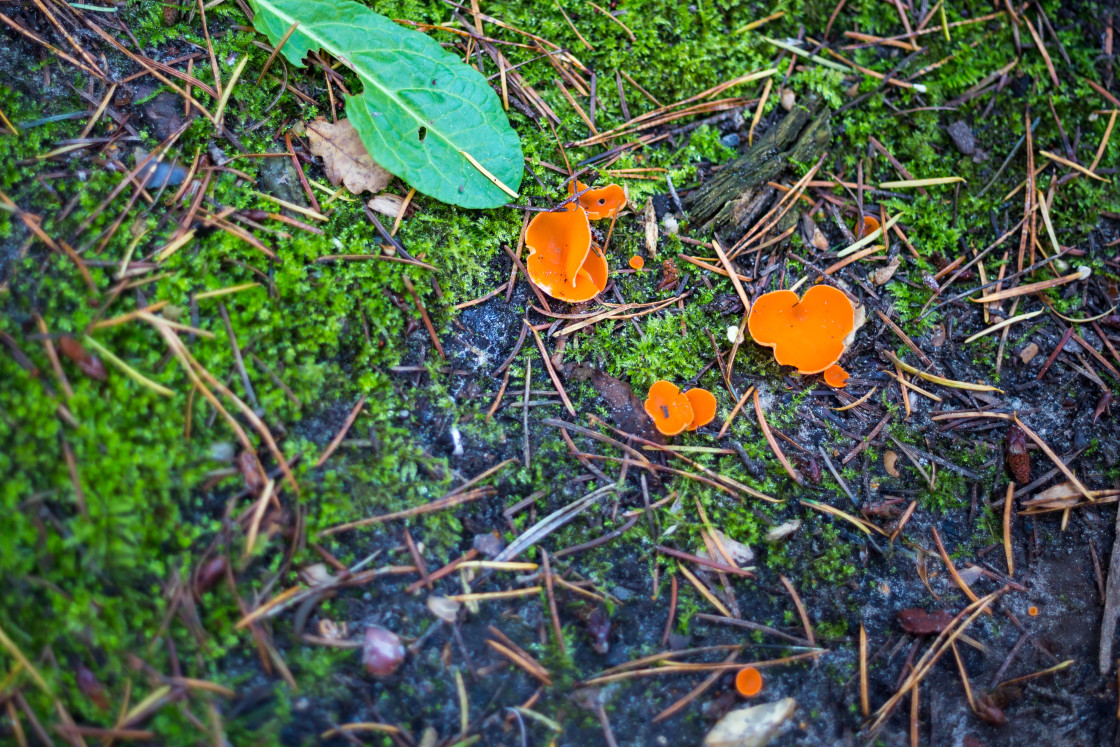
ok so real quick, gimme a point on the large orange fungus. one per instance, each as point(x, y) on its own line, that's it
point(808, 332)
point(604, 202)
point(670, 409)
point(562, 261)
point(703, 407)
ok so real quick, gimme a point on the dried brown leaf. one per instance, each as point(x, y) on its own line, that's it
point(345, 160)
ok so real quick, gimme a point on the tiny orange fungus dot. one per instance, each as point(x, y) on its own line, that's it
point(748, 682)
point(1032, 610)
point(637, 263)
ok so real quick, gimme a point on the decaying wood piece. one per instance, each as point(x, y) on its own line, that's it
point(1111, 603)
point(737, 194)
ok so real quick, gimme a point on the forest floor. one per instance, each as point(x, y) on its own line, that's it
point(248, 422)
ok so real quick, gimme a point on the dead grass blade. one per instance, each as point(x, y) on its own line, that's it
point(773, 443)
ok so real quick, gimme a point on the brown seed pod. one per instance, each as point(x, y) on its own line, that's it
point(1018, 459)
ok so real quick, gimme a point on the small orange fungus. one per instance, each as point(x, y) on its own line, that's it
point(703, 407)
point(1032, 610)
point(670, 409)
point(836, 377)
point(748, 682)
point(637, 263)
point(604, 202)
point(808, 332)
point(562, 261)
point(870, 224)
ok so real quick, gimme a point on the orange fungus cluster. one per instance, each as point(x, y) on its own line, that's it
point(807, 333)
point(674, 411)
point(563, 260)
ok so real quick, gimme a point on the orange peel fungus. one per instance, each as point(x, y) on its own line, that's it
point(870, 224)
point(807, 333)
point(604, 202)
point(703, 407)
point(748, 682)
point(636, 262)
point(562, 261)
point(669, 408)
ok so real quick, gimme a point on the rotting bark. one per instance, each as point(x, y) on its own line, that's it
point(737, 194)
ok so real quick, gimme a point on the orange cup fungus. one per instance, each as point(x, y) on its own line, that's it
point(1032, 610)
point(673, 411)
point(605, 202)
point(870, 224)
point(703, 407)
point(808, 332)
point(562, 261)
point(636, 262)
point(748, 682)
point(670, 409)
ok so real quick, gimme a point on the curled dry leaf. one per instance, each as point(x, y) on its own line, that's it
point(920, 622)
point(250, 468)
point(890, 460)
point(382, 651)
point(1104, 406)
point(443, 608)
point(1027, 354)
point(740, 553)
point(599, 626)
point(90, 364)
point(780, 532)
point(389, 205)
point(209, 574)
point(91, 687)
point(649, 218)
point(1018, 459)
point(345, 160)
point(883, 274)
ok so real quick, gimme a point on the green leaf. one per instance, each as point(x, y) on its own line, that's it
point(423, 114)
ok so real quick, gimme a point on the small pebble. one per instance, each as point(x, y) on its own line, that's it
point(382, 651)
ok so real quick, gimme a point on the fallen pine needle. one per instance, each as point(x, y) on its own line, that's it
point(704, 591)
point(940, 380)
point(484, 596)
point(857, 403)
point(864, 526)
point(1005, 323)
point(1073, 165)
point(931, 182)
point(1041, 673)
point(773, 443)
point(1082, 273)
point(363, 726)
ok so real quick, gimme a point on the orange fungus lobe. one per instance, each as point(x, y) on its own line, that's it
point(748, 682)
point(1032, 610)
point(836, 377)
point(870, 224)
point(562, 261)
point(670, 409)
point(637, 263)
point(703, 407)
point(604, 202)
point(808, 332)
